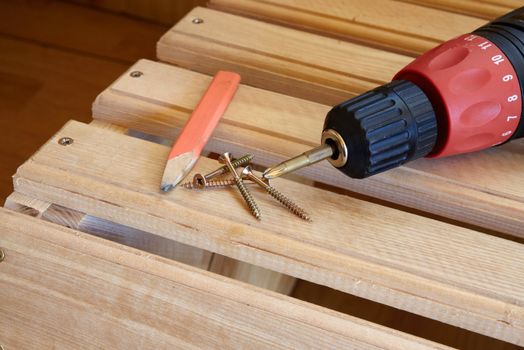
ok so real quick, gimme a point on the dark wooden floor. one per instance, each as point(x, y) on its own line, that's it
point(55, 57)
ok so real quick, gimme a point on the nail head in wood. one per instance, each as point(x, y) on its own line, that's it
point(197, 20)
point(65, 141)
point(136, 74)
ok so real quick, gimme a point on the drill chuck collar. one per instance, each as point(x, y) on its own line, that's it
point(462, 96)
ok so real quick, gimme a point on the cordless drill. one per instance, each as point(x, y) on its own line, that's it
point(464, 95)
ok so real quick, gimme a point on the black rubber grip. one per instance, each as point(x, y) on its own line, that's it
point(384, 128)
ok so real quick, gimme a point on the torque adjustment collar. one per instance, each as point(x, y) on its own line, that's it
point(384, 128)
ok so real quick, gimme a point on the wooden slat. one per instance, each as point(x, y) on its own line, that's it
point(400, 27)
point(434, 269)
point(65, 289)
point(277, 58)
point(484, 9)
point(149, 242)
point(103, 228)
point(485, 189)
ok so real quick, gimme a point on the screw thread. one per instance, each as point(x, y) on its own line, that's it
point(288, 203)
point(236, 163)
point(248, 198)
point(211, 184)
point(246, 159)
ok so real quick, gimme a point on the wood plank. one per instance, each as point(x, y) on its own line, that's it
point(89, 32)
point(484, 189)
point(277, 58)
point(484, 9)
point(149, 242)
point(65, 289)
point(427, 267)
point(400, 320)
point(106, 229)
point(394, 26)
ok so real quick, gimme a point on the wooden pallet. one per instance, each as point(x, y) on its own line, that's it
point(441, 239)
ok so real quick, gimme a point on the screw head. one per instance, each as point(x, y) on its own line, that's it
point(197, 20)
point(65, 141)
point(199, 181)
point(247, 170)
point(136, 74)
point(226, 156)
point(2, 257)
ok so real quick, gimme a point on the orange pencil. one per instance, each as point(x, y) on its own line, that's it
point(198, 128)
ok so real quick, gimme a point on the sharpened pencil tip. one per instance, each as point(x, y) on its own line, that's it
point(176, 169)
point(166, 187)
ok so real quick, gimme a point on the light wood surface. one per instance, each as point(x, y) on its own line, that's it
point(277, 58)
point(399, 27)
point(484, 9)
point(484, 189)
point(151, 243)
point(434, 269)
point(126, 235)
point(65, 289)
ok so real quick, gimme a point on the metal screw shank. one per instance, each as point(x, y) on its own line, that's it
point(210, 184)
point(226, 158)
point(285, 201)
point(199, 180)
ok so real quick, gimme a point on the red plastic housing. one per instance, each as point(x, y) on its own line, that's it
point(474, 91)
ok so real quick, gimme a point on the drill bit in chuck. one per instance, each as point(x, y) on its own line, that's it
point(312, 156)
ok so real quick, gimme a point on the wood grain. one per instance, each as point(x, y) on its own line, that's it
point(126, 235)
point(484, 189)
point(427, 267)
point(151, 243)
point(488, 9)
point(65, 289)
point(394, 26)
point(400, 320)
point(277, 58)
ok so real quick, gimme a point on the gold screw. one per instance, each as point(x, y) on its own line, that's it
point(2, 257)
point(226, 158)
point(285, 201)
point(200, 181)
point(210, 184)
